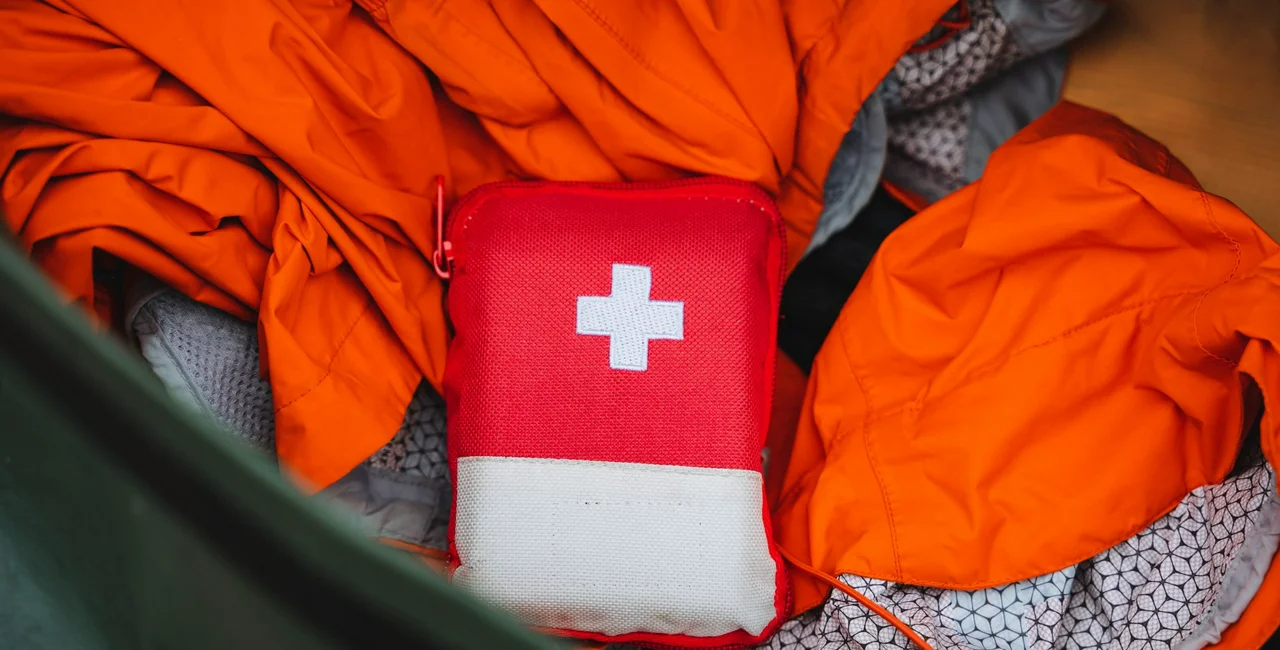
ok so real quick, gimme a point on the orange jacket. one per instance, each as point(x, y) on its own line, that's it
point(276, 160)
point(1036, 368)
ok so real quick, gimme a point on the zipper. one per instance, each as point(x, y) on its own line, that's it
point(444, 256)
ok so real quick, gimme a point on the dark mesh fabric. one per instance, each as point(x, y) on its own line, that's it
point(822, 282)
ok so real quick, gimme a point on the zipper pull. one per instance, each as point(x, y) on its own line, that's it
point(442, 259)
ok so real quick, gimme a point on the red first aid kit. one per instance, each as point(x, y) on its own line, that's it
point(608, 390)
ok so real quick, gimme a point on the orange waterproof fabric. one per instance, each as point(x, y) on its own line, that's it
point(275, 159)
point(1035, 368)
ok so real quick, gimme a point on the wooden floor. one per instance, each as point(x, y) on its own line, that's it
point(1202, 77)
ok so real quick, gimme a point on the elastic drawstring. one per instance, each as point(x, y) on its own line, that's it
point(863, 600)
point(953, 27)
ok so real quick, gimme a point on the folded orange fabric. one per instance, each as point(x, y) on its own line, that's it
point(1035, 368)
point(277, 161)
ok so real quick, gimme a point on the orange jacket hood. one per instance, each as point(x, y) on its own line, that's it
point(1082, 326)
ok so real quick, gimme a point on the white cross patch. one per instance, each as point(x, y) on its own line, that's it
point(629, 318)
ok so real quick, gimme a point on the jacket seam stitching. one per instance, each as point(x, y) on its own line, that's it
point(999, 363)
point(1075, 560)
point(648, 65)
point(1087, 324)
point(332, 361)
point(1235, 247)
point(871, 458)
point(523, 67)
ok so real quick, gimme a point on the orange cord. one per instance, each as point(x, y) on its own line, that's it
point(904, 196)
point(863, 600)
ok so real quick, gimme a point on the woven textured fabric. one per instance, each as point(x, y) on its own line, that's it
point(624, 327)
point(525, 262)
point(418, 448)
point(674, 550)
point(209, 359)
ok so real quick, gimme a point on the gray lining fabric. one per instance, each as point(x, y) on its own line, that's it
point(954, 104)
point(855, 171)
point(938, 115)
point(1000, 33)
point(1003, 105)
point(1242, 581)
point(938, 150)
point(403, 492)
point(926, 78)
point(208, 360)
point(1043, 25)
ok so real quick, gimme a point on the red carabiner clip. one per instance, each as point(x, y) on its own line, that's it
point(442, 258)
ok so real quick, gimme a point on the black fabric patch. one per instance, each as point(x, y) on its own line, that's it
point(822, 282)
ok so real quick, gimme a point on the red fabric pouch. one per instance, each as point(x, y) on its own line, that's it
point(608, 391)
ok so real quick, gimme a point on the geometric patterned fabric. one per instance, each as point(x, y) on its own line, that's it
point(929, 77)
point(1163, 588)
point(935, 139)
point(419, 446)
point(926, 95)
point(417, 452)
point(1184, 574)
